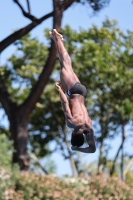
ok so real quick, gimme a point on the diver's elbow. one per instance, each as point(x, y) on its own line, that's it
point(93, 149)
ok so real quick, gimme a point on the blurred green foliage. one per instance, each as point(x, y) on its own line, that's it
point(37, 187)
point(8, 173)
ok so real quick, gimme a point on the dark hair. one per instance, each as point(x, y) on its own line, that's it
point(77, 139)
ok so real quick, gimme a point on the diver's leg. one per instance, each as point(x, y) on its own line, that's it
point(67, 75)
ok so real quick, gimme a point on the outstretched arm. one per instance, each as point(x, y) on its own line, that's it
point(91, 142)
point(64, 102)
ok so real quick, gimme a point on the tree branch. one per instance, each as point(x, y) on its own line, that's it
point(21, 32)
point(33, 156)
point(28, 5)
point(28, 15)
point(117, 154)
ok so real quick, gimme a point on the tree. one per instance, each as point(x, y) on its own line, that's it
point(19, 115)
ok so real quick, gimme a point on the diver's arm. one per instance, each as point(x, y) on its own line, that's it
point(64, 102)
point(91, 142)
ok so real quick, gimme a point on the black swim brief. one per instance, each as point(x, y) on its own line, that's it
point(78, 88)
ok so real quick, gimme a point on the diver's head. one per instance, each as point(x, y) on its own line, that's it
point(77, 138)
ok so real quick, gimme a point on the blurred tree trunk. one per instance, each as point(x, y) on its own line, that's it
point(100, 164)
point(122, 153)
point(128, 166)
point(104, 132)
point(112, 170)
point(18, 127)
point(72, 162)
point(66, 152)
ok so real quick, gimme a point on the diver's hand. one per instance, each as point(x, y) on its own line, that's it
point(57, 85)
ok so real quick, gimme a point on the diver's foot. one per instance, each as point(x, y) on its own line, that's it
point(55, 35)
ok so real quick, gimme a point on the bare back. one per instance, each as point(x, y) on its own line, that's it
point(78, 110)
